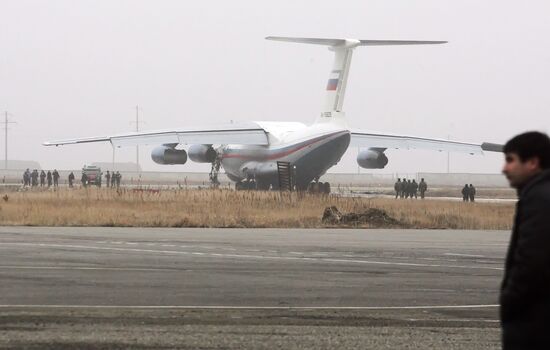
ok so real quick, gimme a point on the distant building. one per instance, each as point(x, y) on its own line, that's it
point(20, 164)
point(129, 166)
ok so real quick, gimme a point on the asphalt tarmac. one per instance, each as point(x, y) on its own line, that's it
point(128, 288)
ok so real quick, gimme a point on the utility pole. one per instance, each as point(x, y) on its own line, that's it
point(448, 157)
point(137, 122)
point(6, 123)
point(358, 166)
point(137, 130)
point(113, 158)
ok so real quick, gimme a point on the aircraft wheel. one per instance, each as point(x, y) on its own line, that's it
point(263, 186)
point(239, 186)
point(320, 187)
point(314, 187)
point(326, 188)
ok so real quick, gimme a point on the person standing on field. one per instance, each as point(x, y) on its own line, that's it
point(423, 187)
point(525, 288)
point(414, 189)
point(42, 178)
point(34, 178)
point(71, 179)
point(472, 193)
point(49, 178)
point(27, 178)
point(465, 193)
point(108, 179)
point(397, 188)
point(118, 178)
point(84, 180)
point(55, 175)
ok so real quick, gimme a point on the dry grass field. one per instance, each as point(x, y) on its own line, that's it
point(227, 208)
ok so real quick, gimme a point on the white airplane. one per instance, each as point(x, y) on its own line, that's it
point(249, 152)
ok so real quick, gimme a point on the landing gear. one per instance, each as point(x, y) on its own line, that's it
point(327, 188)
point(319, 187)
point(314, 187)
point(215, 170)
point(248, 185)
point(263, 186)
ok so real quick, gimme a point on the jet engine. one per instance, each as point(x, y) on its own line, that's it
point(168, 155)
point(372, 158)
point(202, 153)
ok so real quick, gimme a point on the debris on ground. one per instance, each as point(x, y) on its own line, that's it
point(372, 217)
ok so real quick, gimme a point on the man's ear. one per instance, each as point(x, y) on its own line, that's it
point(533, 163)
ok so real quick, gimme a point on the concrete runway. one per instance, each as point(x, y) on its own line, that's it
point(116, 288)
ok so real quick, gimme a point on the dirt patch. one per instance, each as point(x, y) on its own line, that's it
point(371, 217)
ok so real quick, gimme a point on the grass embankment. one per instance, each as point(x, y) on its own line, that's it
point(227, 208)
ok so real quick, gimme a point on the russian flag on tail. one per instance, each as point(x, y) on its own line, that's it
point(333, 80)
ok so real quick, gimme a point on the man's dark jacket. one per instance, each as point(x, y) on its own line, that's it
point(525, 290)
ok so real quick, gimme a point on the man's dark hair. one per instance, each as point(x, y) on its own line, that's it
point(529, 145)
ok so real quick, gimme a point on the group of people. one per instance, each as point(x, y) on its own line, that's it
point(51, 178)
point(34, 178)
point(112, 180)
point(468, 193)
point(410, 189)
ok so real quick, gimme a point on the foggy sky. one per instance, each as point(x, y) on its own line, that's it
point(78, 68)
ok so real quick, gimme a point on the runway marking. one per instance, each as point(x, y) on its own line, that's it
point(465, 255)
point(260, 257)
point(231, 307)
point(84, 268)
point(468, 320)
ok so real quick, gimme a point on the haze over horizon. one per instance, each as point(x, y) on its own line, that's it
point(72, 69)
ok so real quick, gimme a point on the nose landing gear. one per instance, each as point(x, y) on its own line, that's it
point(215, 170)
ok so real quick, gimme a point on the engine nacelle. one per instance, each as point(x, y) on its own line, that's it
point(372, 159)
point(202, 153)
point(168, 155)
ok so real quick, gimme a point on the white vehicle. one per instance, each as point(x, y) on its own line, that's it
point(249, 152)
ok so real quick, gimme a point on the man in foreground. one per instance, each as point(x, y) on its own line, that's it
point(525, 289)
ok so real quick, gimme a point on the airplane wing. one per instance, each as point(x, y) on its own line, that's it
point(381, 140)
point(244, 134)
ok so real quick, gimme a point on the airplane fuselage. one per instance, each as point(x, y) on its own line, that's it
point(311, 150)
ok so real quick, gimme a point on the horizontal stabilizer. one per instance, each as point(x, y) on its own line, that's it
point(356, 42)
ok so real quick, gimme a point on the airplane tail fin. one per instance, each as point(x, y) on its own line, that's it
point(343, 48)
